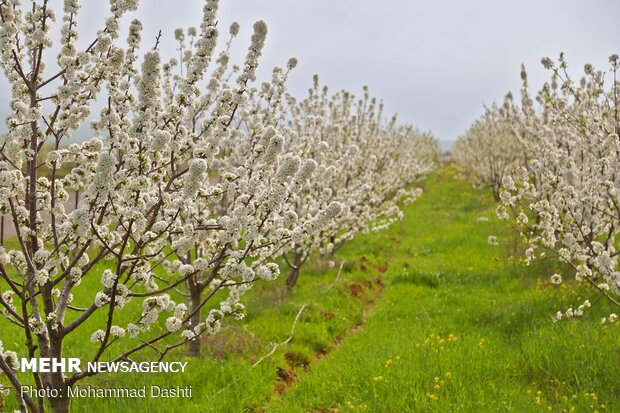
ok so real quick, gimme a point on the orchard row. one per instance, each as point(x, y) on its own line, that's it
point(195, 183)
point(554, 163)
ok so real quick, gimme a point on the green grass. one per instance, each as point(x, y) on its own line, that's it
point(444, 279)
point(223, 379)
point(426, 303)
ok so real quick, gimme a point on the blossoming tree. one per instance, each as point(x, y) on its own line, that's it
point(193, 183)
point(367, 162)
point(570, 185)
point(327, 133)
point(149, 219)
point(490, 149)
point(563, 188)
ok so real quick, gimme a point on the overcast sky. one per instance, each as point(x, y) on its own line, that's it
point(435, 62)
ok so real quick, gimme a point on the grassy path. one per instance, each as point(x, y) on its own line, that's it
point(459, 328)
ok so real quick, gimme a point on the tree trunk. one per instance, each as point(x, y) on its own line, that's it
point(291, 280)
point(495, 187)
point(336, 248)
point(61, 404)
point(58, 381)
point(194, 302)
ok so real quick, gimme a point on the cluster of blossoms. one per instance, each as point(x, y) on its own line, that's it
point(362, 162)
point(193, 183)
point(8, 358)
point(490, 149)
point(564, 191)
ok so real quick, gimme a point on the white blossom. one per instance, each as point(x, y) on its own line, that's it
point(556, 279)
point(173, 324)
point(97, 336)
